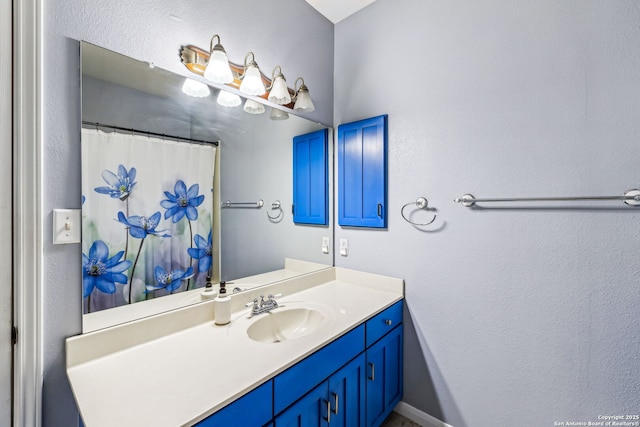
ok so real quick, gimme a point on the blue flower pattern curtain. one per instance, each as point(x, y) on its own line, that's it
point(147, 215)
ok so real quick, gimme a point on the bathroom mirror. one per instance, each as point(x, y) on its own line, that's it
point(239, 191)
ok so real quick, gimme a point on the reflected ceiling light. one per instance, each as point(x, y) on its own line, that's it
point(228, 99)
point(278, 114)
point(253, 107)
point(279, 92)
point(303, 104)
point(251, 79)
point(218, 69)
point(195, 88)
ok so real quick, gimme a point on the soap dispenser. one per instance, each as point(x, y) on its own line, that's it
point(222, 306)
point(208, 292)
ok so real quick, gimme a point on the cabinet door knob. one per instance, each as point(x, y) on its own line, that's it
point(389, 322)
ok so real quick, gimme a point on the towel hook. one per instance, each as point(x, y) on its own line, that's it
point(420, 203)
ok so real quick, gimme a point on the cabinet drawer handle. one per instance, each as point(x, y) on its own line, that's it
point(388, 322)
point(335, 401)
point(328, 417)
point(373, 371)
point(380, 210)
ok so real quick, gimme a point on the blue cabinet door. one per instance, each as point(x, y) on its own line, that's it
point(311, 178)
point(362, 173)
point(347, 394)
point(384, 377)
point(313, 410)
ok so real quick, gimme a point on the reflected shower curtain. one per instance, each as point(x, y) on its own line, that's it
point(147, 215)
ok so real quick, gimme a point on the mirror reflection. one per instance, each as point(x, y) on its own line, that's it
point(185, 182)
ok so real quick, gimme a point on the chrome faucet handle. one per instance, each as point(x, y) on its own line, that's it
point(253, 303)
point(278, 295)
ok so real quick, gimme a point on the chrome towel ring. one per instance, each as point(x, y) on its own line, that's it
point(420, 203)
point(276, 206)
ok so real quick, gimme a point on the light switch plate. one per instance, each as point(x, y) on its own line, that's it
point(344, 247)
point(66, 226)
point(325, 245)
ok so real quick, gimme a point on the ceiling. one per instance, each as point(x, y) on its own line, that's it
point(337, 10)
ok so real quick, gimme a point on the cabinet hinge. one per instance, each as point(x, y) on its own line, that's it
point(293, 209)
point(14, 335)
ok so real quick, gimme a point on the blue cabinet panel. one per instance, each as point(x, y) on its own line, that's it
point(347, 394)
point(303, 376)
point(311, 411)
point(253, 409)
point(383, 322)
point(362, 173)
point(311, 178)
point(384, 377)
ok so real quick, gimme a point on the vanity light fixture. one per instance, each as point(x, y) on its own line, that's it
point(251, 78)
point(195, 88)
point(246, 77)
point(278, 114)
point(253, 107)
point(278, 90)
point(218, 69)
point(228, 99)
point(303, 104)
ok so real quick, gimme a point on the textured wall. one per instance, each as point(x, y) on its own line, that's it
point(280, 32)
point(517, 317)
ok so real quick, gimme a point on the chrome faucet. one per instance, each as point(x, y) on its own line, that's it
point(263, 306)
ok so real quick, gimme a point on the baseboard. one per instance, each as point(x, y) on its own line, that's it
point(418, 417)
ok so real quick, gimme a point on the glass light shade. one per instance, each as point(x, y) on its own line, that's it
point(195, 88)
point(278, 114)
point(304, 104)
point(218, 70)
point(252, 82)
point(253, 107)
point(279, 93)
point(227, 99)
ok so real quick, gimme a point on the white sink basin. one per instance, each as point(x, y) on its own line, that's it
point(290, 321)
point(286, 324)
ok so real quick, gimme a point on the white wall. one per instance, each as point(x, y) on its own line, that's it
point(281, 32)
point(516, 317)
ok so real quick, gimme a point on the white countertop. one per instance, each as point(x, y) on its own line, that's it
point(179, 367)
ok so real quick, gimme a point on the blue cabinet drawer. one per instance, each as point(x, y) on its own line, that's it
point(293, 383)
point(383, 322)
point(252, 409)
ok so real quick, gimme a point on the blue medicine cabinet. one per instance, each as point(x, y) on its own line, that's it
point(311, 178)
point(362, 173)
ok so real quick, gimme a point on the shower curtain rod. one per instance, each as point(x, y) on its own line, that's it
point(144, 132)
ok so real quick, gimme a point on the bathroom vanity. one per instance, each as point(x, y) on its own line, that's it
point(330, 354)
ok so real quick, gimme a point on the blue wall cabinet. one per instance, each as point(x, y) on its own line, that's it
point(362, 173)
point(311, 178)
point(384, 377)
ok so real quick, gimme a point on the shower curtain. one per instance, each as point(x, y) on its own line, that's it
point(147, 215)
